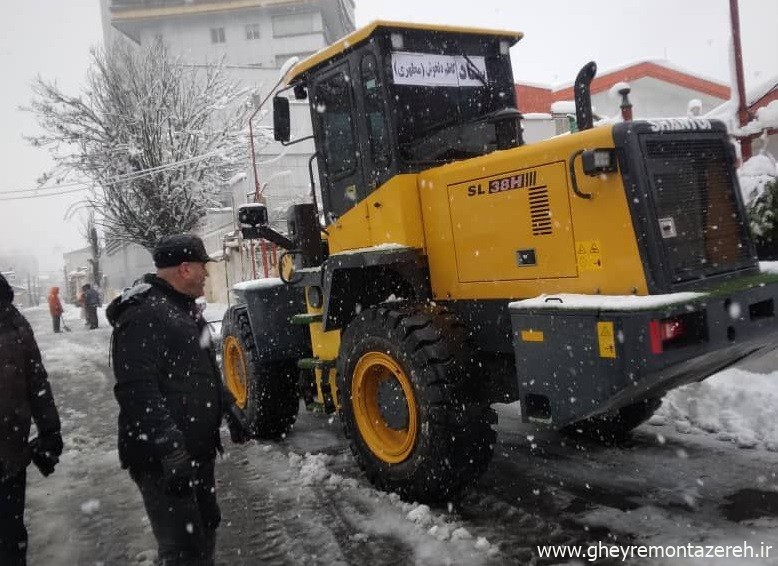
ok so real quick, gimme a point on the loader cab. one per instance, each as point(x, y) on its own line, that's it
point(400, 98)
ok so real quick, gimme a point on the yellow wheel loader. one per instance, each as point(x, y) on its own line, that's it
point(448, 265)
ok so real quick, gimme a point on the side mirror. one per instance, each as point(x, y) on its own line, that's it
point(281, 120)
point(251, 218)
point(252, 214)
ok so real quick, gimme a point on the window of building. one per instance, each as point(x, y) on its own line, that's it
point(296, 24)
point(217, 35)
point(252, 31)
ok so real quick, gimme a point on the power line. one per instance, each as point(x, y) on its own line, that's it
point(46, 195)
point(111, 181)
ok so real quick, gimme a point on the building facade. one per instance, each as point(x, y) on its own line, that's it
point(253, 39)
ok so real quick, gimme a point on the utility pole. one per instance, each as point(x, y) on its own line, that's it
point(742, 108)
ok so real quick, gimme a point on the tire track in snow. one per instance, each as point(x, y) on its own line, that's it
point(375, 549)
point(268, 521)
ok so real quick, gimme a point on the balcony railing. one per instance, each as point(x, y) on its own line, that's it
point(134, 4)
point(118, 5)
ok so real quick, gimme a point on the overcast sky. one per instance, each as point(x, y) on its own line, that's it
point(53, 37)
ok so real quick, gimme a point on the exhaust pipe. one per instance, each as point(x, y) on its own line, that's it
point(583, 98)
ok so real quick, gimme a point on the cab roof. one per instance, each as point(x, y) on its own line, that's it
point(363, 34)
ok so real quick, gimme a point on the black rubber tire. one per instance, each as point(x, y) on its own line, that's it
point(455, 440)
point(614, 427)
point(272, 398)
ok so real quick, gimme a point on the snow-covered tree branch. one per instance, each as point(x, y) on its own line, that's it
point(158, 138)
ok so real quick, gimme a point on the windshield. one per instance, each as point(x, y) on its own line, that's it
point(447, 96)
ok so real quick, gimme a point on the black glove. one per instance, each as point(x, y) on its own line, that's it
point(178, 472)
point(238, 433)
point(46, 450)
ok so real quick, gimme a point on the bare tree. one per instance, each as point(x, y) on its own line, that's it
point(158, 138)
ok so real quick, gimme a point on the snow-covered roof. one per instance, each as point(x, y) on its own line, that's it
point(756, 95)
point(537, 97)
point(645, 64)
point(537, 116)
point(760, 90)
point(563, 107)
point(766, 118)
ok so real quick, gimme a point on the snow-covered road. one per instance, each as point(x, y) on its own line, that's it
point(700, 473)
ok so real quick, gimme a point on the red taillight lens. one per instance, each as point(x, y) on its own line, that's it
point(671, 329)
point(664, 331)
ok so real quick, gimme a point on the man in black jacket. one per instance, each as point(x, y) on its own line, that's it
point(25, 395)
point(170, 400)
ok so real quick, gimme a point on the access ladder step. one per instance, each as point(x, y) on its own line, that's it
point(315, 363)
point(305, 318)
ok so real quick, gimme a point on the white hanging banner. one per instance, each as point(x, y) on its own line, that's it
point(428, 69)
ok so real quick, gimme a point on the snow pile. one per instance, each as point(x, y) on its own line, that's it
point(694, 107)
point(769, 267)
point(313, 471)
point(755, 174)
point(735, 406)
point(614, 93)
point(90, 507)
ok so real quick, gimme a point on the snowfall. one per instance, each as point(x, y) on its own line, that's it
point(701, 471)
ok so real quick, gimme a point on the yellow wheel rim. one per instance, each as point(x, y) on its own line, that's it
point(235, 370)
point(373, 371)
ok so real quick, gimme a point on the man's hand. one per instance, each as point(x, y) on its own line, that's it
point(46, 451)
point(238, 433)
point(178, 472)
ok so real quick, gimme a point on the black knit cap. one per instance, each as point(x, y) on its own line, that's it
point(6, 291)
point(179, 248)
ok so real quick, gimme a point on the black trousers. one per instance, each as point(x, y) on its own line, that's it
point(13, 534)
point(55, 320)
point(184, 526)
point(90, 312)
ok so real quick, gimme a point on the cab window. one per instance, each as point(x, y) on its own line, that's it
point(333, 104)
point(377, 131)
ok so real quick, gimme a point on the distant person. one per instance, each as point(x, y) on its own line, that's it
point(91, 299)
point(55, 308)
point(80, 303)
point(25, 395)
point(170, 401)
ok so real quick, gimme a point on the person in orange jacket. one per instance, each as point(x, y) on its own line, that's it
point(55, 308)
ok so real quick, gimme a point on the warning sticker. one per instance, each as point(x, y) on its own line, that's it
point(606, 339)
point(588, 255)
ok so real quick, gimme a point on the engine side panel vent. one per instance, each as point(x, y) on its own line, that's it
point(540, 211)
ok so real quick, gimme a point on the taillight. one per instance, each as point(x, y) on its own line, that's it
point(666, 331)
